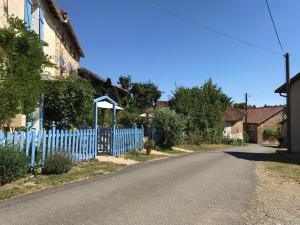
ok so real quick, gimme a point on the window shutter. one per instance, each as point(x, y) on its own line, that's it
point(41, 21)
point(27, 17)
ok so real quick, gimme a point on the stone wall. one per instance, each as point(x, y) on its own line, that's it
point(272, 123)
point(234, 130)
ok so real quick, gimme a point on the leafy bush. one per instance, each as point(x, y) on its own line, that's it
point(246, 137)
point(233, 141)
point(68, 102)
point(271, 134)
point(57, 163)
point(169, 128)
point(204, 108)
point(22, 61)
point(13, 164)
point(149, 144)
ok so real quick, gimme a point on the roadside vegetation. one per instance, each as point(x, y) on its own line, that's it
point(203, 147)
point(81, 171)
point(283, 164)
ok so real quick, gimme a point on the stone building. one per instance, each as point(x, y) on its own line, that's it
point(260, 119)
point(234, 123)
point(295, 111)
point(55, 28)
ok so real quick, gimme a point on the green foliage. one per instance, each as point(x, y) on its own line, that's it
point(149, 144)
point(128, 119)
point(125, 82)
point(246, 137)
point(144, 95)
point(69, 102)
point(13, 164)
point(169, 127)
point(204, 108)
point(58, 163)
point(233, 141)
point(271, 134)
point(22, 61)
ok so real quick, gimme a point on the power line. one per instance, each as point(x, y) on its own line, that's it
point(215, 31)
point(274, 26)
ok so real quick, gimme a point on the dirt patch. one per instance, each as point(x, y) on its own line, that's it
point(276, 201)
point(118, 160)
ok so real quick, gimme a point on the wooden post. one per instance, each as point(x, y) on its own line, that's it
point(96, 129)
point(288, 101)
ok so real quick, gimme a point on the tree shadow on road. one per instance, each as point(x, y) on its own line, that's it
point(278, 156)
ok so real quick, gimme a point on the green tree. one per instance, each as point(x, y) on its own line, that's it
point(22, 61)
point(144, 95)
point(69, 102)
point(203, 108)
point(125, 82)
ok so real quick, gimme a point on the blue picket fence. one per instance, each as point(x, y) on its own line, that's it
point(79, 144)
point(128, 139)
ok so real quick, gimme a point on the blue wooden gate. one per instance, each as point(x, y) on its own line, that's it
point(120, 140)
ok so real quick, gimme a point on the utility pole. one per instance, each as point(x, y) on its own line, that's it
point(246, 107)
point(288, 101)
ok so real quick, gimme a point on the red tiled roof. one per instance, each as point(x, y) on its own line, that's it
point(260, 115)
point(233, 114)
point(162, 104)
point(85, 73)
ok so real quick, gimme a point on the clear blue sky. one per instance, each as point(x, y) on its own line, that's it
point(133, 37)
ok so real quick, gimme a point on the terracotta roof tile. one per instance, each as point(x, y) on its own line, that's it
point(233, 114)
point(260, 115)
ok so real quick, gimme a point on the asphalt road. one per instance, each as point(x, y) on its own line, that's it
point(203, 188)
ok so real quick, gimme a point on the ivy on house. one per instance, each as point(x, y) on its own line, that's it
point(22, 61)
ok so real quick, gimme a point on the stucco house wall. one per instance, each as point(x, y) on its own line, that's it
point(295, 116)
point(234, 130)
point(60, 44)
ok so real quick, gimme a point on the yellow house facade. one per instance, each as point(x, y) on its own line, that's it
point(55, 28)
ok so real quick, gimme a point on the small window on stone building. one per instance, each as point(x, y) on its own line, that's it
point(35, 19)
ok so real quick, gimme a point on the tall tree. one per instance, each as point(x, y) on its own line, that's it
point(204, 109)
point(22, 61)
point(144, 95)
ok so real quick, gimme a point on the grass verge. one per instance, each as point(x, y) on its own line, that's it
point(172, 151)
point(141, 157)
point(39, 182)
point(283, 164)
point(203, 147)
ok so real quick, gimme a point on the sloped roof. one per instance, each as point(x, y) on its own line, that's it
point(233, 114)
point(65, 21)
point(262, 114)
point(282, 88)
point(162, 104)
point(85, 73)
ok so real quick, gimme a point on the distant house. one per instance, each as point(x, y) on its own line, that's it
point(103, 86)
point(295, 111)
point(160, 104)
point(262, 118)
point(234, 123)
